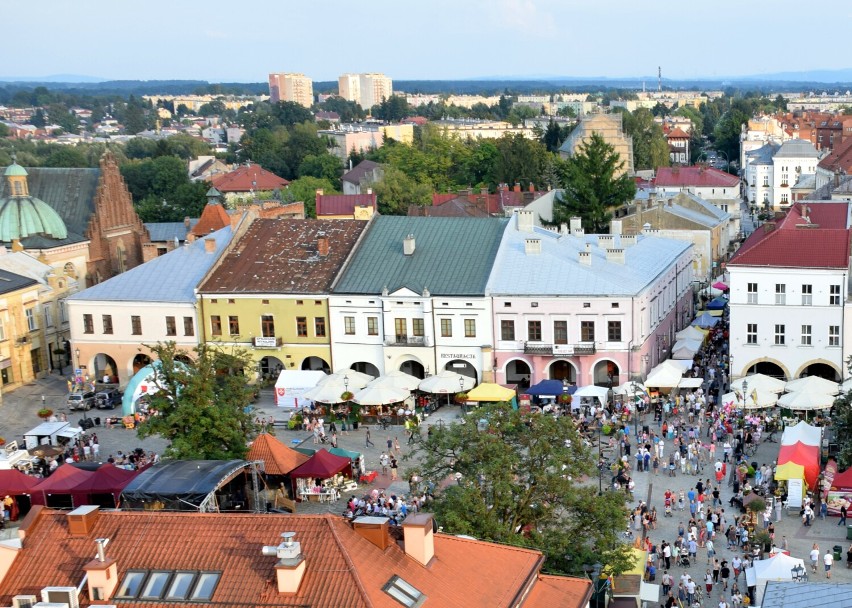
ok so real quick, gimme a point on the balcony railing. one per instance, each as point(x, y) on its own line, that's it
point(567, 350)
point(405, 341)
point(267, 341)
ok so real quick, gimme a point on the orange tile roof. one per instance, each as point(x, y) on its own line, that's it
point(559, 591)
point(247, 178)
point(278, 459)
point(342, 567)
point(677, 133)
point(213, 218)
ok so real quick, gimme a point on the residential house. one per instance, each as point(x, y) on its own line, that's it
point(585, 309)
point(758, 175)
point(246, 181)
point(346, 206)
point(170, 235)
point(789, 289)
point(466, 203)
point(362, 176)
point(716, 187)
point(270, 294)
point(22, 344)
point(836, 164)
point(412, 298)
point(678, 141)
point(609, 127)
point(204, 168)
point(793, 159)
point(161, 558)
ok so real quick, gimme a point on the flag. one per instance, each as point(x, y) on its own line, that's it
point(754, 396)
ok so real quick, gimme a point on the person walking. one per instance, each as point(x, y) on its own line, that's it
point(814, 556)
point(708, 582)
point(725, 573)
point(828, 560)
point(369, 441)
point(842, 521)
point(394, 468)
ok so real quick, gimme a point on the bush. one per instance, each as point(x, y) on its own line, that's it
point(606, 429)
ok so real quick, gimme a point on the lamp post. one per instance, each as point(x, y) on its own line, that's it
point(745, 392)
point(346, 383)
point(799, 573)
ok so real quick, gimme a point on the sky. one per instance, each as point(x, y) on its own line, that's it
point(227, 41)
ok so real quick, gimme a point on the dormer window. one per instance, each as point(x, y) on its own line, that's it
point(168, 585)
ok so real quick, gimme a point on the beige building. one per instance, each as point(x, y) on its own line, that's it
point(367, 90)
point(608, 126)
point(297, 88)
point(363, 138)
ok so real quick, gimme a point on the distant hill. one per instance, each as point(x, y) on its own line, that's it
point(810, 76)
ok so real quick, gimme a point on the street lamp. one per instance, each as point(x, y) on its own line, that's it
point(745, 392)
point(77, 358)
point(346, 383)
point(799, 573)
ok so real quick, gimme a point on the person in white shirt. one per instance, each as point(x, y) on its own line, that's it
point(828, 559)
point(814, 556)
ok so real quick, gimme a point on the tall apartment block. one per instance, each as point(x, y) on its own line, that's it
point(291, 87)
point(365, 89)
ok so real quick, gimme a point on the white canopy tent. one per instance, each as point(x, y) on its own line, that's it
point(397, 379)
point(327, 392)
point(777, 568)
point(804, 432)
point(690, 383)
point(592, 392)
point(806, 401)
point(291, 386)
point(760, 382)
point(630, 388)
point(685, 349)
point(812, 384)
point(446, 382)
point(691, 333)
point(667, 374)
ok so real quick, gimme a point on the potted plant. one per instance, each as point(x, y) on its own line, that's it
point(295, 422)
point(347, 395)
point(461, 398)
point(762, 540)
point(565, 399)
point(45, 413)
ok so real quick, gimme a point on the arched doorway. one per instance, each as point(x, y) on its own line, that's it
point(823, 370)
point(104, 365)
point(518, 372)
point(183, 358)
point(366, 368)
point(563, 370)
point(606, 373)
point(316, 364)
point(271, 366)
point(413, 368)
point(767, 368)
point(140, 361)
point(464, 368)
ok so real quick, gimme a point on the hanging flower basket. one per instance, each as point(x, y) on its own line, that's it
point(565, 399)
point(347, 395)
point(461, 398)
point(45, 413)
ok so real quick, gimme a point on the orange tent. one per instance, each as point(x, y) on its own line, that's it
point(278, 459)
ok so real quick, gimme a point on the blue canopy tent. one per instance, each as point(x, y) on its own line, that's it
point(717, 304)
point(550, 388)
point(705, 321)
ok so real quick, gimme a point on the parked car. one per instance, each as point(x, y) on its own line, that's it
point(81, 401)
point(108, 399)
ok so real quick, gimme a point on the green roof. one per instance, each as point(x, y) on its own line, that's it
point(15, 170)
point(23, 216)
point(452, 256)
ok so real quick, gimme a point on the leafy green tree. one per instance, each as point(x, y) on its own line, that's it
point(566, 111)
point(519, 159)
point(38, 119)
point(650, 149)
point(349, 111)
point(66, 156)
point(203, 405)
point(592, 186)
point(212, 108)
point(396, 191)
point(290, 113)
point(305, 189)
point(516, 483)
point(153, 180)
point(323, 165)
point(392, 109)
point(4, 130)
point(140, 147)
point(554, 135)
point(727, 132)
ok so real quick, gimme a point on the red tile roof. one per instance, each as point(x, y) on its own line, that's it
point(559, 591)
point(699, 177)
point(489, 203)
point(278, 459)
point(820, 241)
point(343, 569)
point(213, 218)
point(677, 133)
point(840, 158)
point(344, 204)
point(247, 178)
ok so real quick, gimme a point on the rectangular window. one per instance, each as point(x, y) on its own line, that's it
point(534, 331)
point(806, 335)
point(188, 327)
point(2, 329)
point(807, 295)
point(507, 329)
point(834, 295)
point(372, 326)
point(613, 330)
point(63, 312)
point(765, 181)
point(107, 320)
point(401, 329)
point(31, 319)
point(302, 327)
point(215, 325)
point(446, 328)
point(780, 338)
point(234, 325)
point(834, 335)
point(319, 327)
point(267, 326)
point(784, 198)
point(751, 333)
point(587, 331)
point(751, 290)
point(48, 316)
point(136, 325)
point(560, 332)
point(171, 328)
point(349, 326)
point(780, 294)
point(417, 327)
point(88, 324)
point(470, 328)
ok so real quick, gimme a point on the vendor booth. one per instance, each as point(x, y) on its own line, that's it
point(777, 568)
point(692, 333)
point(590, 392)
point(51, 433)
point(686, 349)
point(19, 486)
point(805, 455)
point(277, 458)
point(794, 476)
point(667, 374)
point(718, 303)
point(292, 384)
point(488, 392)
point(705, 320)
point(104, 487)
point(802, 433)
point(840, 492)
point(320, 478)
point(60, 490)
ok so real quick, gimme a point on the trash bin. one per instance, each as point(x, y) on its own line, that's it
point(848, 532)
point(838, 552)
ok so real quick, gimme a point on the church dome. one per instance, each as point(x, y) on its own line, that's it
point(22, 215)
point(15, 170)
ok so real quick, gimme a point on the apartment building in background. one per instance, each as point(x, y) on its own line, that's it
point(288, 86)
point(367, 90)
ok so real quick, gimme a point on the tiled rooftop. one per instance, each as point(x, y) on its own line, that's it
point(248, 178)
point(700, 177)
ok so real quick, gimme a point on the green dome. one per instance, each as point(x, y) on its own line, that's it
point(15, 170)
point(24, 216)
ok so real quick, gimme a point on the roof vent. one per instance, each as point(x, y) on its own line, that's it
point(532, 246)
point(290, 568)
point(82, 519)
point(408, 245)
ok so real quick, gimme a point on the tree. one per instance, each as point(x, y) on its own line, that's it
point(393, 109)
point(349, 111)
point(554, 135)
point(727, 132)
point(650, 149)
point(66, 156)
point(153, 180)
point(202, 404)
point(519, 159)
point(591, 185)
point(841, 422)
point(323, 165)
point(305, 189)
point(516, 484)
point(396, 191)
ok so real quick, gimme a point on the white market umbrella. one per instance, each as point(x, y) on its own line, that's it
point(630, 388)
point(761, 382)
point(348, 377)
point(812, 384)
point(380, 395)
point(592, 392)
point(846, 385)
point(327, 392)
point(806, 400)
point(397, 379)
point(755, 400)
point(446, 382)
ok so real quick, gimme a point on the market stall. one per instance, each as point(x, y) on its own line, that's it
point(777, 568)
point(278, 459)
point(488, 392)
point(840, 492)
point(686, 349)
point(291, 386)
point(320, 478)
point(666, 375)
point(804, 433)
point(805, 455)
point(59, 491)
point(20, 487)
point(692, 333)
point(104, 487)
point(794, 476)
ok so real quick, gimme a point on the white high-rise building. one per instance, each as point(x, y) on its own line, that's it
point(297, 88)
point(365, 89)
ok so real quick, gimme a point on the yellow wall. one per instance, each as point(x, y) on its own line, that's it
point(401, 133)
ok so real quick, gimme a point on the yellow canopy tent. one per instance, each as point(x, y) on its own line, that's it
point(794, 474)
point(488, 391)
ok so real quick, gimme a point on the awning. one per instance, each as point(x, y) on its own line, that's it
point(690, 383)
point(488, 391)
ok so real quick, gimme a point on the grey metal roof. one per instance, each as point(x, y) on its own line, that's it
point(806, 180)
point(797, 148)
point(9, 281)
point(762, 155)
point(557, 270)
point(172, 277)
point(452, 256)
point(167, 231)
point(806, 595)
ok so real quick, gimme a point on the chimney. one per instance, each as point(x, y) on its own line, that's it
point(483, 191)
point(768, 227)
point(187, 222)
point(419, 537)
point(606, 240)
point(322, 246)
point(374, 529)
point(615, 255)
point(82, 519)
point(532, 246)
point(532, 187)
point(526, 220)
point(290, 567)
point(646, 227)
point(576, 224)
point(369, 191)
point(210, 245)
point(101, 573)
point(586, 258)
point(317, 199)
point(615, 227)
point(563, 229)
point(517, 187)
point(408, 245)
point(628, 240)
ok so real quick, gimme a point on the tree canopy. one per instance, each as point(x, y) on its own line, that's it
point(202, 405)
point(841, 422)
point(516, 483)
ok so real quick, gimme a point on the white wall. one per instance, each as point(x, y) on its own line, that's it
point(153, 318)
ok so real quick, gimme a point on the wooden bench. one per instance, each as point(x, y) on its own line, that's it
point(288, 504)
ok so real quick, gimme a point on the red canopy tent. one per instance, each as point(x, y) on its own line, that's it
point(60, 489)
point(842, 481)
point(804, 455)
point(105, 485)
point(322, 465)
point(15, 483)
